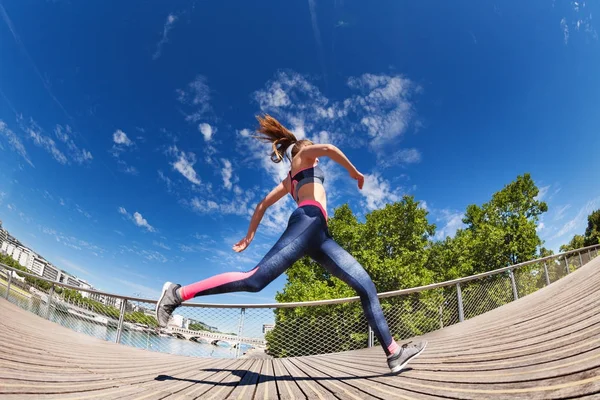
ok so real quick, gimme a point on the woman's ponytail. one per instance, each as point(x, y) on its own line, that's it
point(281, 138)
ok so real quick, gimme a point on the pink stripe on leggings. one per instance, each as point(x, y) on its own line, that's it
point(189, 291)
point(313, 203)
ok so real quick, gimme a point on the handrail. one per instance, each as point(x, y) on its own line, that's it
point(318, 302)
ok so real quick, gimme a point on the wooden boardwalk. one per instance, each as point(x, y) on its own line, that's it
point(544, 346)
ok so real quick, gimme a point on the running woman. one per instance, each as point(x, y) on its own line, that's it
point(306, 234)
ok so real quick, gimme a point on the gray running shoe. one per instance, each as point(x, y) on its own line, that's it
point(404, 354)
point(168, 302)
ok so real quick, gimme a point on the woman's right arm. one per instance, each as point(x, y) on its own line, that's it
point(329, 150)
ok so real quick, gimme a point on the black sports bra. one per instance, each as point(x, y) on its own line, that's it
point(304, 176)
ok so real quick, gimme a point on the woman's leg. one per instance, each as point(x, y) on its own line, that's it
point(290, 247)
point(345, 267)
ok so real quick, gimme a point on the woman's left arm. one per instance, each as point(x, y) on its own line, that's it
point(273, 197)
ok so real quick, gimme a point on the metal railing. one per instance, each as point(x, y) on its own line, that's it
point(282, 329)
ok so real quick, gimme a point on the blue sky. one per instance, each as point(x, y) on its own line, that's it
point(124, 149)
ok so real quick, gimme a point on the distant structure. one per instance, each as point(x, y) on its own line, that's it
point(36, 264)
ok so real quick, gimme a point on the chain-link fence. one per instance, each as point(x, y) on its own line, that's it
point(281, 330)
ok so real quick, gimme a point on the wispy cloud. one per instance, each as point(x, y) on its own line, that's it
point(184, 164)
point(400, 157)
point(14, 141)
point(161, 245)
point(121, 144)
point(227, 173)
point(71, 241)
point(565, 29)
point(171, 19)
point(71, 266)
point(543, 191)
point(23, 49)
point(560, 212)
point(145, 291)
point(36, 134)
point(197, 96)
point(137, 219)
point(579, 221)
point(65, 135)
point(312, 7)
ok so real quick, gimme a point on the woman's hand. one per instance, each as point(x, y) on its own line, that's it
point(241, 245)
point(359, 177)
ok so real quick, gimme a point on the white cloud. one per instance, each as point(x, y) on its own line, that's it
point(227, 173)
point(64, 134)
point(378, 192)
point(82, 211)
point(239, 205)
point(543, 191)
point(560, 212)
point(381, 108)
point(161, 245)
point(384, 107)
point(14, 142)
point(166, 180)
point(36, 134)
point(120, 137)
point(141, 222)
point(184, 164)
point(128, 169)
point(206, 130)
point(565, 29)
point(168, 26)
point(137, 219)
point(245, 132)
point(579, 221)
point(400, 157)
point(197, 94)
point(72, 242)
point(541, 226)
point(452, 221)
point(423, 205)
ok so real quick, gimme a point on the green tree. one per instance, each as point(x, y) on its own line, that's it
point(391, 245)
point(504, 229)
point(577, 242)
point(592, 232)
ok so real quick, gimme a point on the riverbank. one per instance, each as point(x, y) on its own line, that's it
point(14, 289)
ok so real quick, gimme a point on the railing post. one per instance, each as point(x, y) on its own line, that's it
point(370, 339)
point(9, 272)
point(240, 331)
point(589, 255)
point(49, 303)
point(461, 312)
point(546, 274)
point(567, 264)
point(513, 283)
point(580, 260)
point(121, 317)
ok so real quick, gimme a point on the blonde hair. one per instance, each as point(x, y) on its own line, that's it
point(271, 130)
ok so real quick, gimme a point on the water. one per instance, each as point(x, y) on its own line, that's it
point(142, 340)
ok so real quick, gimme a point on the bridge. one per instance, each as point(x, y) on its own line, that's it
point(213, 336)
point(544, 345)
